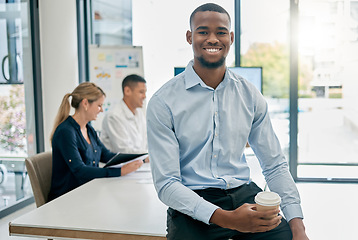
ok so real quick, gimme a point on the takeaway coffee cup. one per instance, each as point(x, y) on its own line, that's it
point(267, 201)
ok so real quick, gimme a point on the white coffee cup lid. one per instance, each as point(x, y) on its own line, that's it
point(268, 199)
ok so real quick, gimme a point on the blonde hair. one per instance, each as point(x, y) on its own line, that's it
point(85, 90)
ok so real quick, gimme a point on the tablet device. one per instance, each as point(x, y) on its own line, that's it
point(120, 158)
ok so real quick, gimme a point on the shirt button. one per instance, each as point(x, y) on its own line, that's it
point(94, 162)
point(214, 156)
point(70, 160)
point(95, 150)
point(216, 113)
point(216, 176)
point(216, 134)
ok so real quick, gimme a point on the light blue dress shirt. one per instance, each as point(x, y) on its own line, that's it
point(197, 136)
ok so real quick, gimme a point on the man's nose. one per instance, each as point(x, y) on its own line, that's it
point(212, 39)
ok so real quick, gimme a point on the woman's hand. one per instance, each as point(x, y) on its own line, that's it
point(131, 167)
point(146, 160)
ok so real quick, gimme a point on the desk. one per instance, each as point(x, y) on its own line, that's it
point(106, 208)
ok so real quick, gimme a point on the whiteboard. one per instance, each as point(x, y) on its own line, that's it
point(109, 65)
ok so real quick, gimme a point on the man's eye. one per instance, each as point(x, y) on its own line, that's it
point(203, 32)
point(221, 33)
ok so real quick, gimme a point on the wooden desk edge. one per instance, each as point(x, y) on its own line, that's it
point(63, 233)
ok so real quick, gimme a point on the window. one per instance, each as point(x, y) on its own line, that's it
point(265, 43)
point(112, 22)
point(327, 118)
point(18, 137)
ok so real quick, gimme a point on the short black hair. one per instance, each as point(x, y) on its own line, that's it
point(209, 7)
point(132, 80)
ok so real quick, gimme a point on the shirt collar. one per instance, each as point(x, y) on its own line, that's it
point(128, 113)
point(192, 79)
point(73, 122)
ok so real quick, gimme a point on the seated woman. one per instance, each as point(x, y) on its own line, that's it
point(76, 148)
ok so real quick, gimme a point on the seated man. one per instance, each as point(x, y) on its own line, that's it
point(198, 125)
point(124, 126)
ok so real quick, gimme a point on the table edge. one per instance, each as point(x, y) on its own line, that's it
point(15, 230)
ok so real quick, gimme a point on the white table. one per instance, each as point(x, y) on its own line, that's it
point(107, 208)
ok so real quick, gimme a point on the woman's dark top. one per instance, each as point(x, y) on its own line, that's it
point(74, 160)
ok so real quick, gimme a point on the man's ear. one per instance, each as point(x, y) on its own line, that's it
point(189, 37)
point(232, 37)
point(127, 90)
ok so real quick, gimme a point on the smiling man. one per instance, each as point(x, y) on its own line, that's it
point(198, 125)
point(124, 126)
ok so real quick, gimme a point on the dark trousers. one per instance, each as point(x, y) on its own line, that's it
point(183, 227)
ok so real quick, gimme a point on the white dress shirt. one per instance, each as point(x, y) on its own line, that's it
point(123, 131)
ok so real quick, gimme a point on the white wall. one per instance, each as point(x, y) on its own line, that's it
point(59, 64)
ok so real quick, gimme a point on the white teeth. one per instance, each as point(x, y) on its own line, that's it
point(212, 49)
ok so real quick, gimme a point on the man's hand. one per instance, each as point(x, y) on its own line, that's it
point(298, 229)
point(246, 219)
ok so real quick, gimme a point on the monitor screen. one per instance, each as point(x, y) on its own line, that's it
point(252, 74)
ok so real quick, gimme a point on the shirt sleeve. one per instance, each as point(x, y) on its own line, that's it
point(66, 142)
point(164, 159)
point(266, 146)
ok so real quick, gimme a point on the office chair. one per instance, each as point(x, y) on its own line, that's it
point(39, 168)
